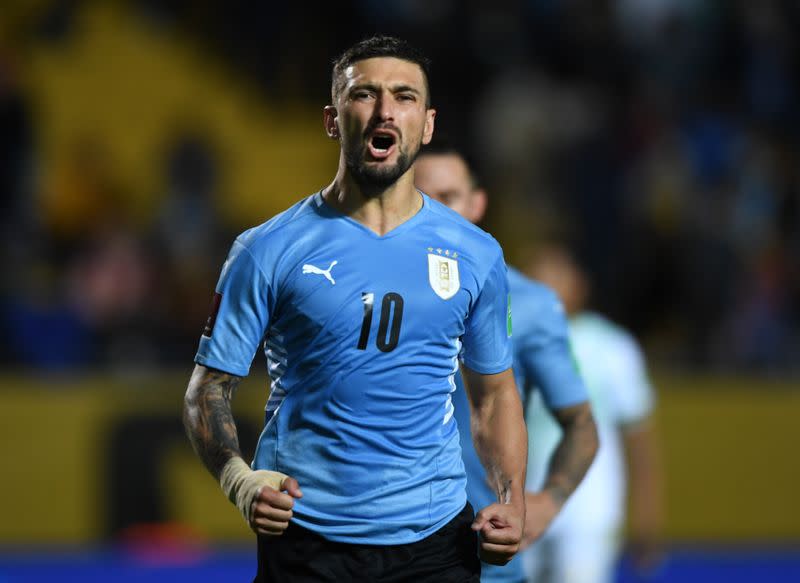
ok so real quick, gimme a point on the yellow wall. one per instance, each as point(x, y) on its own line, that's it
point(733, 469)
point(128, 87)
point(730, 452)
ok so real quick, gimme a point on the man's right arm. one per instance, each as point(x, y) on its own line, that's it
point(634, 406)
point(211, 428)
point(208, 419)
point(645, 493)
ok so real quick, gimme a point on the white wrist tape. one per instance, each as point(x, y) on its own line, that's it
point(241, 484)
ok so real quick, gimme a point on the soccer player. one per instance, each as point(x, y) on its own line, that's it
point(542, 360)
point(365, 296)
point(583, 543)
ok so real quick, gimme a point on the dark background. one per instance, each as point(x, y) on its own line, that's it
point(658, 138)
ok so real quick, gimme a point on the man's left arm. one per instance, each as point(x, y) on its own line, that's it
point(500, 437)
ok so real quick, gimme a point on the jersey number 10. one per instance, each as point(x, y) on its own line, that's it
point(388, 333)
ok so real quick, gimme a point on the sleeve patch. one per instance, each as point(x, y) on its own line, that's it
point(212, 317)
point(508, 317)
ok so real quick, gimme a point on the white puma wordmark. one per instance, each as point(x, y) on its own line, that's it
point(308, 268)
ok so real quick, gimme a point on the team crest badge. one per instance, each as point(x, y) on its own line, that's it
point(443, 275)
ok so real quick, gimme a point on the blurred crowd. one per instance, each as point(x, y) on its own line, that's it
point(659, 138)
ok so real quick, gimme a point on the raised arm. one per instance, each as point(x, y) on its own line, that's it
point(568, 464)
point(500, 437)
point(211, 428)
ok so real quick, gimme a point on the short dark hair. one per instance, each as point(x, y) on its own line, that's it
point(380, 46)
point(441, 145)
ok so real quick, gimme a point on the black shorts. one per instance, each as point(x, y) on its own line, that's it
point(299, 555)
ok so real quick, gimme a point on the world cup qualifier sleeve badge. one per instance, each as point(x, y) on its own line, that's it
point(443, 274)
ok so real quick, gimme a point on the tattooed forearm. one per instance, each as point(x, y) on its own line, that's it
point(574, 453)
point(504, 496)
point(498, 481)
point(208, 419)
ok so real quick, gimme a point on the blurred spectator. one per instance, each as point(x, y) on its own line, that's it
point(187, 222)
point(42, 330)
point(112, 287)
point(657, 135)
point(82, 294)
point(657, 169)
point(18, 217)
point(189, 234)
point(81, 195)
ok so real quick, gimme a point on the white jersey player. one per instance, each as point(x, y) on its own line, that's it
point(584, 541)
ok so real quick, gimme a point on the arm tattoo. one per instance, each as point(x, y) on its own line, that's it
point(498, 481)
point(208, 419)
point(504, 496)
point(574, 453)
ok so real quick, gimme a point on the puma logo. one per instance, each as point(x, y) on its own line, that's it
point(308, 268)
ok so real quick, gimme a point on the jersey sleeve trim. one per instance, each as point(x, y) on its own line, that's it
point(225, 367)
point(488, 369)
point(557, 404)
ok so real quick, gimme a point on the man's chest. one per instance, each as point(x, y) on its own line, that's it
point(380, 295)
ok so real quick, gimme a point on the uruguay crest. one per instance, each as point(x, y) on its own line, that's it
point(443, 275)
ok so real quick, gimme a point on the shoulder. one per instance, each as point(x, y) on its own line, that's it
point(534, 305)
point(620, 343)
point(281, 227)
point(267, 244)
point(624, 366)
point(454, 227)
point(531, 291)
point(600, 326)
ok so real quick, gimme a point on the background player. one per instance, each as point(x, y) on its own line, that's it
point(542, 359)
point(583, 543)
point(364, 296)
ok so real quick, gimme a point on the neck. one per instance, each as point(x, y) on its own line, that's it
point(380, 210)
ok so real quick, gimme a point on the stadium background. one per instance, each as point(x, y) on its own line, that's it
point(138, 137)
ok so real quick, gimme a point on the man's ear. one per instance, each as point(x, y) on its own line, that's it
point(329, 114)
point(477, 205)
point(427, 131)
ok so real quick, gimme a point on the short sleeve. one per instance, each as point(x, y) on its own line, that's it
point(545, 355)
point(239, 315)
point(486, 344)
point(633, 392)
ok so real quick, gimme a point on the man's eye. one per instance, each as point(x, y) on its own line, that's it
point(405, 97)
point(362, 95)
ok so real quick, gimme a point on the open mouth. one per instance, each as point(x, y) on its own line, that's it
point(381, 145)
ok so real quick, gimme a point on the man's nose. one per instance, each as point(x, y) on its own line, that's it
point(385, 107)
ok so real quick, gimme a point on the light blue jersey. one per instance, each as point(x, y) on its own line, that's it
point(543, 361)
point(362, 334)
